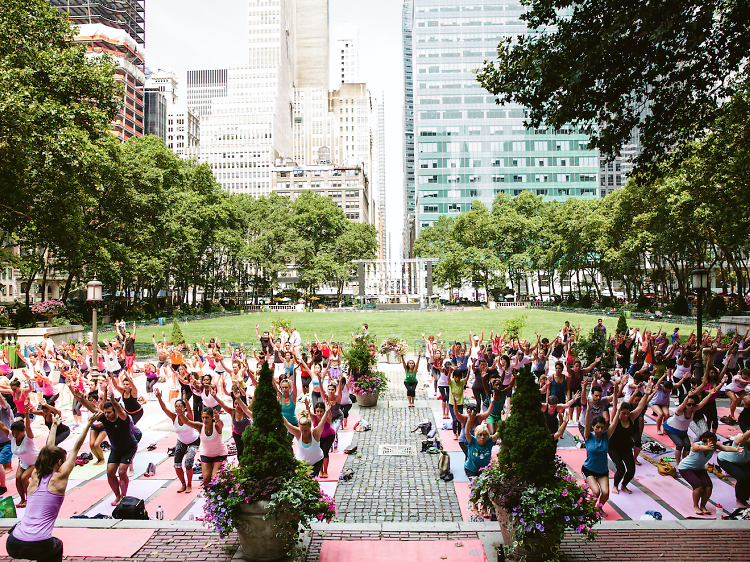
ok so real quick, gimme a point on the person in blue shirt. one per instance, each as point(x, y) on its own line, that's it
point(596, 468)
point(479, 446)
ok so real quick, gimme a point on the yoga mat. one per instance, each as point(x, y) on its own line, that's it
point(336, 463)
point(723, 494)
point(196, 509)
point(663, 439)
point(81, 499)
point(165, 425)
point(351, 421)
point(728, 431)
point(724, 411)
point(150, 437)
point(639, 502)
point(90, 470)
point(329, 488)
point(414, 551)
point(142, 489)
point(345, 439)
point(610, 513)
point(676, 495)
point(463, 493)
point(140, 463)
point(450, 445)
point(109, 543)
point(457, 466)
point(171, 502)
point(575, 458)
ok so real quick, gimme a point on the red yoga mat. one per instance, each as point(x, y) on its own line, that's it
point(414, 551)
point(172, 503)
point(463, 493)
point(336, 463)
point(650, 430)
point(109, 543)
point(81, 499)
point(450, 445)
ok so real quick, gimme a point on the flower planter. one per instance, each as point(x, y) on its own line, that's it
point(258, 536)
point(393, 357)
point(543, 547)
point(368, 400)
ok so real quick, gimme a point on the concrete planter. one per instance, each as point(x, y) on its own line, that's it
point(258, 536)
point(367, 400)
point(393, 358)
point(544, 547)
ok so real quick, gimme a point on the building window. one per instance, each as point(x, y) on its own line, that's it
point(429, 208)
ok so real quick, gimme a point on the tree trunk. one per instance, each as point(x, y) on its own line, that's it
point(66, 290)
point(44, 280)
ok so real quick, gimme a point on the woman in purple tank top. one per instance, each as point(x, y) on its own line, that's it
point(31, 538)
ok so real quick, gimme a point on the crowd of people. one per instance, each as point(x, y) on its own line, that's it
point(652, 370)
point(201, 388)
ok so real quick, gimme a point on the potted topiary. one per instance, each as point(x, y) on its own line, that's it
point(47, 310)
point(269, 493)
point(535, 498)
point(361, 367)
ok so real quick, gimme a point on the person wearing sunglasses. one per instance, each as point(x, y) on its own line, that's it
point(677, 425)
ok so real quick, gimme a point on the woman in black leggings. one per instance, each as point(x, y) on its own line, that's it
point(622, 440)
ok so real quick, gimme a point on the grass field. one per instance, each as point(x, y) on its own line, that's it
point(454, 325)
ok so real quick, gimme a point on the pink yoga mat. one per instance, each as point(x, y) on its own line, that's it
point(650, 430)
point(636, 504)
point(450, 445)
point(171, 502)
point(610, 513)
point(723, 494)
point(678, 496)
point(414, 551)
point(351, 421)
point(335, 466)
point(100, 543)
point(81, 499)
point(463, 493)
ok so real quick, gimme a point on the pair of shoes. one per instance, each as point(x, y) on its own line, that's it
point(447, 477)
point(151, 447)
point(351, 450)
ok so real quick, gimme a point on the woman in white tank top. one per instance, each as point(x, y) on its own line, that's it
point(188, 441)
point(308, 440)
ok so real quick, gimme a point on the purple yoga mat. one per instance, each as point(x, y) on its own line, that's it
point(678, 496)
point(636, 504)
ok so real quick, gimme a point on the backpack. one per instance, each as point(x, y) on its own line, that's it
point(130, 508)
point(666, 469)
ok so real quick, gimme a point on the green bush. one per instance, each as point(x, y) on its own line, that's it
point(358, 359)
point(527, 451)
point(282, 321)
point(680, 306)
point(644, 302)
point(622, 323)
point(515, 324)
point(176, 338)
point(606, 302)
point(571, 299)
point(24, 318)
point(586, 301)
point(207, 306)
point(717, 307)
point(268, 448)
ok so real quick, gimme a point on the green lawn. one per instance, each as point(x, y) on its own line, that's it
point(408, 325)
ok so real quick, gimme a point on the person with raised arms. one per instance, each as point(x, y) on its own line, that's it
point(31, 538)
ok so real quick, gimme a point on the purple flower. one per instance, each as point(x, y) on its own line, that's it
point(567, 518)
point(540, 527)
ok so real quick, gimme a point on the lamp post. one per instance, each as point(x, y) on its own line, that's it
point(94, 296)
point(699, 278)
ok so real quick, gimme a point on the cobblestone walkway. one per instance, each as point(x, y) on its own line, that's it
point(393, 489)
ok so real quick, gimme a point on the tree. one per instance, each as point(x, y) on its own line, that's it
point(607, 68)
point(622, 323)
point(176, 338)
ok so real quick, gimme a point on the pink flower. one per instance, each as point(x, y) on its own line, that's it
point(565, 493)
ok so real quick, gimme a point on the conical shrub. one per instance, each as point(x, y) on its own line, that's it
point(268, 448)
point(527, 450)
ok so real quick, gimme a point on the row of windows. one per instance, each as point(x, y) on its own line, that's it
point(505, 146)
point(442, 163)
point(442, 179)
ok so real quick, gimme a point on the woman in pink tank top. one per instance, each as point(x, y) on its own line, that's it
point(31, 538)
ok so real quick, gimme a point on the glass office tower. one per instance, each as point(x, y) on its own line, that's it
point(468, 147)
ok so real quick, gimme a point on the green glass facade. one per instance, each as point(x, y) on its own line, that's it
point(466, 146)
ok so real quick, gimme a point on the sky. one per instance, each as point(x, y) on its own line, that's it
point(184, 35)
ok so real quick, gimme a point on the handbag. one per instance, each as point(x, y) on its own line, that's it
point(666, 469)
point(444, 464)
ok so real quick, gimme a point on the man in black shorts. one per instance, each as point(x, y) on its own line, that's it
point(119, 428)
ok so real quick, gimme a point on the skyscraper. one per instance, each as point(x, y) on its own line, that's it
point(203, 86)
point(469, 148)
point(118, 28)
point(251, 128)
point(407, 24)
point(378, 165)
point(347, 53)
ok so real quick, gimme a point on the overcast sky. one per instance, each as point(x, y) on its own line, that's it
point(184, 35)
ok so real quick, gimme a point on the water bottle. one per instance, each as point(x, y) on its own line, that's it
point(500, 554)
point(159, 513)
point(191, 517)
point(719, 512)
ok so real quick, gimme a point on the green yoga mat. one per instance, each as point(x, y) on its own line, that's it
point(87, 471)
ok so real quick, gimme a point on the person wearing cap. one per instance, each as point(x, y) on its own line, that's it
point(476, 343)
point(457, 384)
